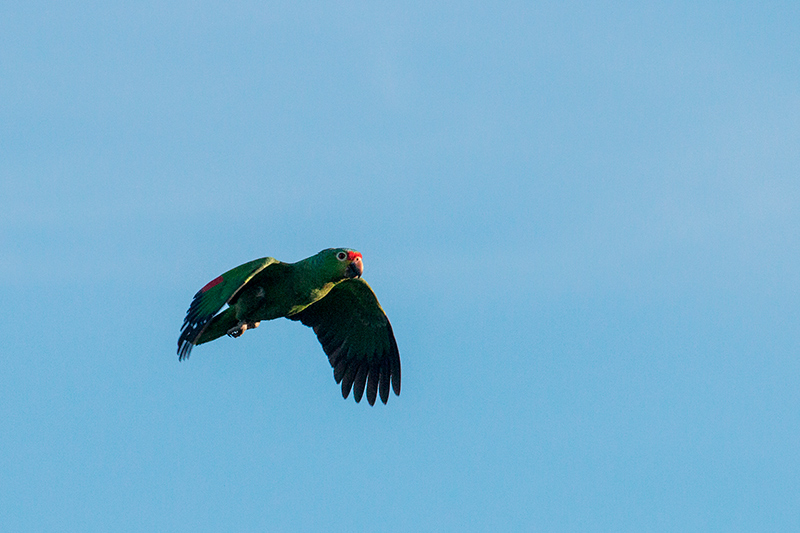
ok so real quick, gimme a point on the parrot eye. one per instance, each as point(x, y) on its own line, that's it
point(341, 256)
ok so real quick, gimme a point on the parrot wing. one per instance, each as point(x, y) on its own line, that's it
point(213, 297)
point(357, 338)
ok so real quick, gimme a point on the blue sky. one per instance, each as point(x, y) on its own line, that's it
point(582, 221)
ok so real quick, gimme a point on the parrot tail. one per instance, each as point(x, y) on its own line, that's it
point(219, 326)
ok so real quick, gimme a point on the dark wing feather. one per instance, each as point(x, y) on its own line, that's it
point(213, 297)
point(357, 338)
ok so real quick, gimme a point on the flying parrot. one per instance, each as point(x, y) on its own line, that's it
point(324, 292)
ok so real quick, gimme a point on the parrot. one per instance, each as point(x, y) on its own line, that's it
point(325, 292)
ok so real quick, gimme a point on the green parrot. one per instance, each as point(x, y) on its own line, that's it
point(324, 292)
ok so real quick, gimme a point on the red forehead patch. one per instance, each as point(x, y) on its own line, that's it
point(352, 255)
point(213, 283)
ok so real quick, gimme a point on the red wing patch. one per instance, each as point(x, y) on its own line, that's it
point(213, 283)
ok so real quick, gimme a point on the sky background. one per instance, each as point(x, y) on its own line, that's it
point(582, 220)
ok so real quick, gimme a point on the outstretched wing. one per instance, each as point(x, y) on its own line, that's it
point(357, 338)
point(211, 298)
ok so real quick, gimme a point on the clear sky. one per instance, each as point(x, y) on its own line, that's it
point(582, 220)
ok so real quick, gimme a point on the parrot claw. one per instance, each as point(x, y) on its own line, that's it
point(241, 328)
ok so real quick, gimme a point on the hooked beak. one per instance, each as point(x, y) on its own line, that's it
point(355, 268)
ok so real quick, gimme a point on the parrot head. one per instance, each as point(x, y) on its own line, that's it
point(346, 262)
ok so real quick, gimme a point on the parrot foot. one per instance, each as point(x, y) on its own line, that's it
point(241, 328)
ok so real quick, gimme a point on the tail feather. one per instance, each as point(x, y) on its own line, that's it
point(219, 326)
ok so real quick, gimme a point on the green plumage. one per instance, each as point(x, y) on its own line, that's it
point(324, 292)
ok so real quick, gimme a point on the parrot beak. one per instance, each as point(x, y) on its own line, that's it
point(355, 268)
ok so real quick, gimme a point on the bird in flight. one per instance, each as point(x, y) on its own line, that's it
point(324, 292)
